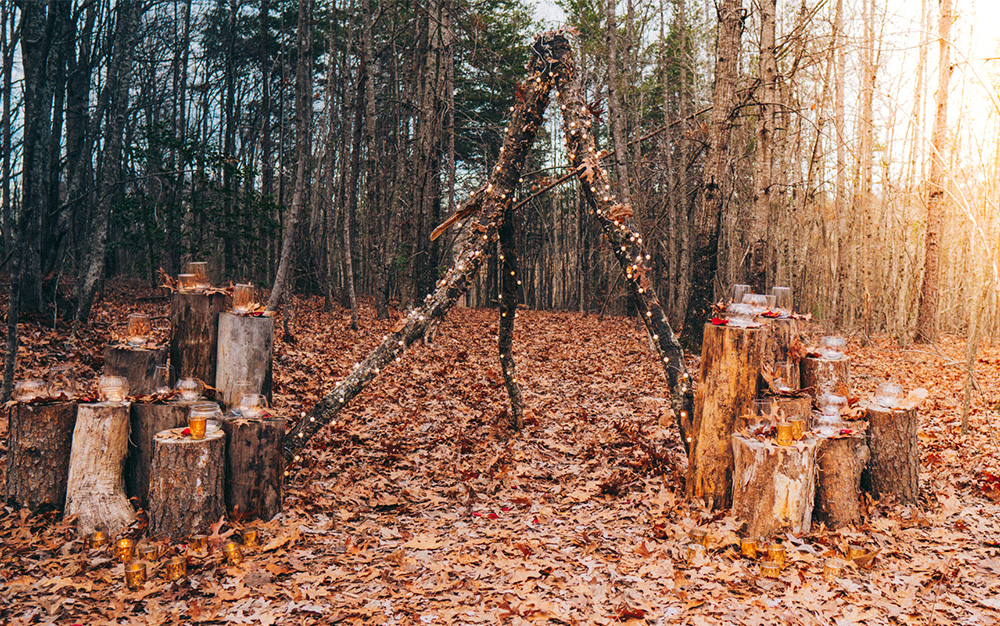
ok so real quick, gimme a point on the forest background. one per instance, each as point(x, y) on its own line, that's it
point(794, 142)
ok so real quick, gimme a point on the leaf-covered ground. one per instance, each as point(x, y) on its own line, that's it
point(419, 506)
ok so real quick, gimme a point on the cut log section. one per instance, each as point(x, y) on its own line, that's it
point(186, 492)
point(135, 365)
point(95, 489)
point(839, 463)
point(729, 381)
point(147, 421)
point(781, 336)
point(245, 348)
point(819, 374)
point(255, 467)
point(194, 333)
point(895, 458)
point(39, 442)
point(774, 486)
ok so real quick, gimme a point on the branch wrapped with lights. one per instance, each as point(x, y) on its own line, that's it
point(624, 237)
point(508, 311)
point(487, 207)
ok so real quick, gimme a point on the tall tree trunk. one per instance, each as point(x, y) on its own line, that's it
point(757, 260)
point(9, 44)
point(118, 83)
point(840, 197)
point(264, 63)
point(303, 149)
point(706, 218)
point(615, 112)
point(927, 315)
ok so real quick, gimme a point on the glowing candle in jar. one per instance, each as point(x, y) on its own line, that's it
point(139, 329)
point(770, 569)
point(833, 567)
point(112, 389)
point(244, 298)
point(748, 547)
point(233, 554)
point(176, 568)
point(798, 428)
point(124, 550)
point(135, 575)
point(161, 379)
point(149, 552)
point(251, 539)
point(776, 554)
point(199, 417)
point(97, 540)
point(189, 389)
point(199, 269)
point(185, 282)
point(785, 437)
point(198, 542)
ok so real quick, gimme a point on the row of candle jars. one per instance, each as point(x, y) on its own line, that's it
point(59, 381)
point(745, 305)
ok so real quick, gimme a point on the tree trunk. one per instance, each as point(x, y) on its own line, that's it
point(303, 150)
point(927, 314)
point(135, 364)
point(774, 486)
point(38, 454)
point(508, 312)
point(95, 489)
point(244, 353)
point(194, 333)
point(255, 467)
point(728, 382)
point(705, 225)
point(819, 375)
point(146, 421)
point(839, 464)
point(757, 258)
point(895, 456)
point(186, 483)
point(615, 106)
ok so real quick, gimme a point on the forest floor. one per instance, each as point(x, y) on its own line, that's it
point(418, 506)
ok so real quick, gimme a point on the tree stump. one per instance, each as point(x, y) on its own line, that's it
point(39, 441)
point(194, 330)
point(147, 421)
point(135, 364)
point(186, 483)
point(95, 489)
point(255, 467)
point(245, 347)
point(839, 463)
point(774, 486)
point(818, 373)
point(781, 336)
point(729, 380)
point(895, 458)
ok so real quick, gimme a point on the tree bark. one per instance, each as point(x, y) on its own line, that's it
point(255, 467)
point(244, 353)
point(615, 106)
point(194, 333)
point(774, 486)
point(704, 256)
point(895, 456)
point(508, 312)
point(728, 382)
point(927, 313)
point(757, 258)
point(186, 483)
point(303, 150)
point(818, 375)
point(146, 421)
point(95, 489)
point(135, 364)
point(839, 464)
point(38, 454)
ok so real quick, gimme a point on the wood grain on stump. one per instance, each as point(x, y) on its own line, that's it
point(895, 458)
point(728, 381)
point(839, 463)
point(147, 421)
point(255, 467)
point(135, 364)
point(39, 440)
point(773, 486)
point(781, 336)
point(95, 489)
point(245, 350)
point(186, 480)
point(817, 374)
point(194, 330)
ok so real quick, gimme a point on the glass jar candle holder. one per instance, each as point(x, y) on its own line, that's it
point(783, 301)
point(149, 552)
point(202, 413)
point(124, 550)
point(784, 376)
point(199, 269)
point(234, 556)
point(748, 548)
point(832, 347)
point(189, 389)
point(889, 395)
point(176, 568)
point(762, 410)
point(785, 437)
point(798, 428)
point(135, 575)
point(776, 554)
point(97, 540)
point(694, 552)
point(770, 569)
point(61, 382)
point(244, 298)
point(833, 568)
point(198, 543)
point(29, 389)
point(112, 389)
point(739, 291)
point(253, 405)
point(757, 301)
point(186, 282)
point(162, 379)
point(739, 315)
point(139, 329)
point(772, 301)
point(699, 535)
point(251, 538)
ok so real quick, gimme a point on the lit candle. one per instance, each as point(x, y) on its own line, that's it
point(699, 535)
point(770, 569)
point(176, 568)
point(112, 389)
point(199, 416)
point(97, 540)
point(776, 554)
point(199, 269)
point(250, 538)
point(233, 554)
point(798, 428)
point(785, 436)
point(185, 282)
point(149, 552)
point(124, 550)
point(135, 575)
point(748, 547)
point(198, 542)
